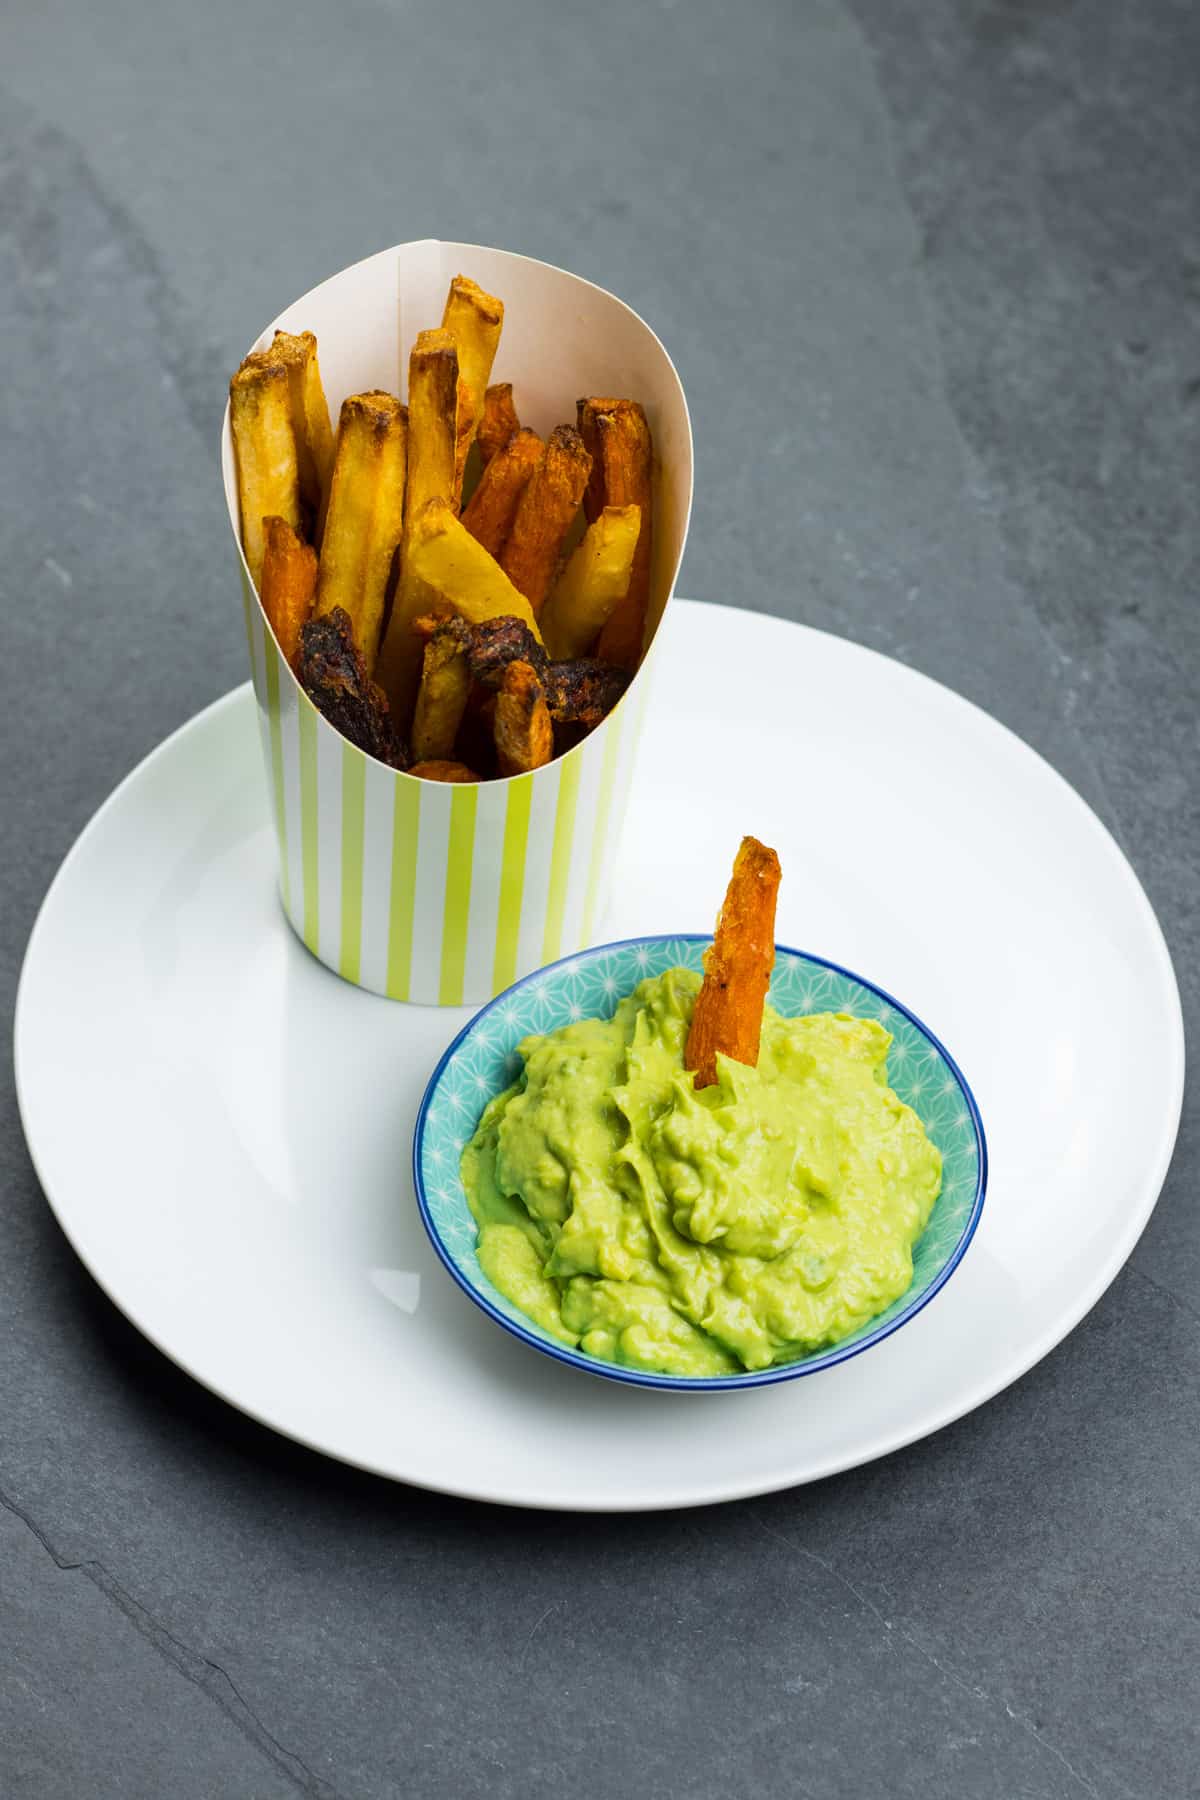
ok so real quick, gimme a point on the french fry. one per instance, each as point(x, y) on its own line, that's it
point(499, 420)
point(618, 437)
point(737, 970)
point(440, 769)
point(310, 420)
point(443, 693)
point(524, 733)
point(490, 512)
point(449, 564)
point(474, 320)
point(432, 419)
point(592, 583)
point(365, 517)
point(264, 446)
point(289, 581)
point(545, 514)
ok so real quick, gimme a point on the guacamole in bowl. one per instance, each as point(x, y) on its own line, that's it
point(595, 1203)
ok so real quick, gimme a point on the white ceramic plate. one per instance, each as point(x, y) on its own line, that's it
point(223, 1127)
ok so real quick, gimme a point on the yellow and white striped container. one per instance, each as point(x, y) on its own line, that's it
point(420, 890)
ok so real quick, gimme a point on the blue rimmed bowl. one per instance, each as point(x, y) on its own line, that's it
point(482, 1061)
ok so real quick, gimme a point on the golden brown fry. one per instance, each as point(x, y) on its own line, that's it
point(365, 518)
point(737, 970)
point(490, 512)
point(264, 446)
point(289, 581)
point(545, 514)
point(449, 565)
point(443, 693)
point(618, 436)
point(474, 320)
point(592, 583)
point(310, 420)
point(438, 769)
point(499, 420)
point(432, 418)
point(524, 733)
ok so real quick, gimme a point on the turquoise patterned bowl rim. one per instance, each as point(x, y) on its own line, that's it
point(483, 1060)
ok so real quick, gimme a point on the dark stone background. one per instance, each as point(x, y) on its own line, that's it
point(930, 270)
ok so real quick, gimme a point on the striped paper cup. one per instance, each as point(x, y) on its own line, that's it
point(419, 890)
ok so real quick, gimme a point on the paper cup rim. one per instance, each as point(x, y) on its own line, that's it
point(225, 453)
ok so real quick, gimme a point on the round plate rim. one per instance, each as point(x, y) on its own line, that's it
point(701, 1384)
point(716, 1491)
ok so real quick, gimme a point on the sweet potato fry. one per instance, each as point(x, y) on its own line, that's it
point(332, 673)
point(264, 447)
point(450, 565)
point(618, 437)
point(289, 581)
point(432, 419)
point(524, 733)
point(310, 421)
point(444, 691)
point(439, 769)
point(737, 970)
point(545, 514)
point(499, 420)
point(490, 512)
point(592, 583)
point(474, 320)
point(365, 518)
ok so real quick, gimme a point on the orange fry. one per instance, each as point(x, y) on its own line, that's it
point(438, 769)
point(490, 512)
point(618, 437)
point(545, 514)
point(737, 970)
point(289, 581)
point(499, 420)
point(524, 733)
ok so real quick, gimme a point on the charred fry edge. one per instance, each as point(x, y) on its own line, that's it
point(330, 669)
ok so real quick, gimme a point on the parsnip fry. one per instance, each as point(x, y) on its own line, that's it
point(366, 514)
point(264, 446)
point(450, 565)
point(618, 436)
point(545, 514)
point(432, 417)
point(499, 420)
point(524, 733)
point(474, 319)
point(289, 581)
point(490, 512)
point(443, 693)
point(310, 419)
point(737, 970)
point(440, 769)
point(592, 583)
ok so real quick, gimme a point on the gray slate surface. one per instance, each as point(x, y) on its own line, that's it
point(930, 270)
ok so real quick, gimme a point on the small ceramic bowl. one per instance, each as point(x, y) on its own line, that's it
point(483, 1060)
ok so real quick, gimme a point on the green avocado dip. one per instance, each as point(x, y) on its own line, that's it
point(700, 1232)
